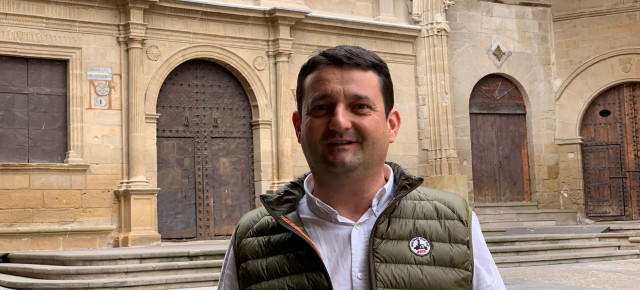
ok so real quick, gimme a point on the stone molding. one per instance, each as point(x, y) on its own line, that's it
point(587, 82)
point(587, 13)
point(57, 229)
point(75, 97)
point(244, 71)
point(39, 22)
point(40, 167)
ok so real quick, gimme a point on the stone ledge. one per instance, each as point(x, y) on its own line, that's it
point(55, 230)
point(40, 167)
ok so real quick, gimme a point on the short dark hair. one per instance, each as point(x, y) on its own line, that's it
point(350, 56)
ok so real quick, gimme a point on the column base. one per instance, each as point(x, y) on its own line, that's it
point(452, 183)
point(634, 239)
point(138, 239)
point(138, 217)
point(276, 185)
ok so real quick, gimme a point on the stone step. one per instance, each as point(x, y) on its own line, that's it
point(506, 207)
point(565, 258)
point(532, 239)
point(55, 272)
point(518, 223)
point(162, 282)
point(562, 217)
point(121, 256)
point(558, 248)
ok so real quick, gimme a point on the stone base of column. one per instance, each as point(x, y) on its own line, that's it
point(452, 183)
point(138, 217)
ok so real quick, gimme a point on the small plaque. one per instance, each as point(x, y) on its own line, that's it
point(98, 73)
point(100, 102)
point(102, 89)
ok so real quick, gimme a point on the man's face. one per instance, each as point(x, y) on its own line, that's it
point(342, 127)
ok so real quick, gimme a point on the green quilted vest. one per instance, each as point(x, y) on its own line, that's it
point(273, 251)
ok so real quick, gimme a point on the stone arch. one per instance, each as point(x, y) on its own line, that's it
point(259, 100)
point(587, 82)
point(243, 71)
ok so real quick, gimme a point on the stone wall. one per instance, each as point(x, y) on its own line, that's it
point(525, 32)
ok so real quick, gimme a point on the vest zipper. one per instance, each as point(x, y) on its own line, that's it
point(288, 224)
point(393, 202)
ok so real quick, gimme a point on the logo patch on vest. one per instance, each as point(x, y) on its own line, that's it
point(420, 246)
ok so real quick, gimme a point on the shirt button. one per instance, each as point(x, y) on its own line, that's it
point(360, 276)
point(357, 226)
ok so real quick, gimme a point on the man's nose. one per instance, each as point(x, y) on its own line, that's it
point(340, 119)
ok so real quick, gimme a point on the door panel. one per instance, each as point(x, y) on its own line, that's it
point(511, 151)
point(231, 172)
point(604, 182)
point(177, 199)
point(483, 149)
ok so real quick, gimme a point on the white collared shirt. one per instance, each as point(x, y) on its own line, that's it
point(344, 244)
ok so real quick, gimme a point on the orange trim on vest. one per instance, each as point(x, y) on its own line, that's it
point(286, 220)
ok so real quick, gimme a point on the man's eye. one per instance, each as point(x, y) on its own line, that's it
point(361, 107)
point(320, 108)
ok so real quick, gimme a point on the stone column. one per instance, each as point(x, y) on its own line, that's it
point(138, 203)
point(281, 21)
point(439, 162)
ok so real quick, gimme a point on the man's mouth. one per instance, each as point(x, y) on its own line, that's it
point(336, 143)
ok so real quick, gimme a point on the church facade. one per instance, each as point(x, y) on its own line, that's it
point(123, 123)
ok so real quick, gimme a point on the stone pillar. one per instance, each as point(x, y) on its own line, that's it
point(138, 203)
point(439, 162)
point(281, 21)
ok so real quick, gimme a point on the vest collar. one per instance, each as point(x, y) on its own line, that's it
point(285, 201)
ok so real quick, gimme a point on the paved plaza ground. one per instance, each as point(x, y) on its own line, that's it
point(618, 275)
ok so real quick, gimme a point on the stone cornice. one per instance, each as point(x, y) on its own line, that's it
point(353, 27)
point(213, 11)
point(39, 22)
point(586, 13)
point(227, 41)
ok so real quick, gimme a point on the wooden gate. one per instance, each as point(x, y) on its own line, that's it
point(205, 152)
point(498, 141)
point(611, 133)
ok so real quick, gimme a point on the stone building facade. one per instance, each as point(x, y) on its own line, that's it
point(124, 122)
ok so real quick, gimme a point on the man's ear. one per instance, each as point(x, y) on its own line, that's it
point(393, 121)
point(297, 123)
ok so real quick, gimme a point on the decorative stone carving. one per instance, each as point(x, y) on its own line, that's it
point(625, 64)
point(259, 63)
point(153, 52)
point(498, 54)
point(446, 4)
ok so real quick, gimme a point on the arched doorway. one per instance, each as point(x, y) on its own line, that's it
point(498, 141)
point(610, 153)
point(205, 152)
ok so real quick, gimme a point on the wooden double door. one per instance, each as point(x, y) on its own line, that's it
point(498, 142)
point(205, 152)
point(610, 153)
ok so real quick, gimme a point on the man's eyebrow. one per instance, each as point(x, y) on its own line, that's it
point(316, 97)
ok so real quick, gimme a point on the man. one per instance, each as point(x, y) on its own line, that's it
point(355, 222)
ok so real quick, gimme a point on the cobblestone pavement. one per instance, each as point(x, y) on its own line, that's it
point(618, 275)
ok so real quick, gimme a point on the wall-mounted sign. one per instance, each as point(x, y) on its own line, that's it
point(98, 73)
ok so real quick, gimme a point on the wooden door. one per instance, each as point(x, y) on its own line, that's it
point(498, 142)
point(205, 152)
point(610, 154)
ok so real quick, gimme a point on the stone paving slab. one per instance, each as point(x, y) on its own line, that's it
point(614, 275)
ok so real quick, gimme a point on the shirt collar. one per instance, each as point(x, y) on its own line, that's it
point(324, 211)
